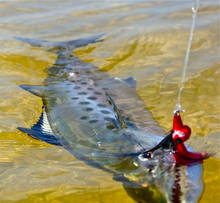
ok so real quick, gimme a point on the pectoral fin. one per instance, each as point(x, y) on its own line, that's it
point(42, 131)
point(37, 134)
point(35, 89)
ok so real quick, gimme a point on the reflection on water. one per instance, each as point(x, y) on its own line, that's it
point(144, 39)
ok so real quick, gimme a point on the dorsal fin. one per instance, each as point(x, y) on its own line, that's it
point(117, 112)
point(131, 82)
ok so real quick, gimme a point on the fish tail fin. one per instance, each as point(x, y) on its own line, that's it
point(66, 45)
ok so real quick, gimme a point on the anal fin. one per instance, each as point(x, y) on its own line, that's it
point(42, 131)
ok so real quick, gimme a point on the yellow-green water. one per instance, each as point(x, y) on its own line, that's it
point(145, 40)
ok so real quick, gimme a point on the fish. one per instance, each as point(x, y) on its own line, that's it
point(102, 121)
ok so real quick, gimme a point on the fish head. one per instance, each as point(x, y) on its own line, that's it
point(159, 178)
point(162, 180)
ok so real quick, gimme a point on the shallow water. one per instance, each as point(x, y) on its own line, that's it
point(145, 40)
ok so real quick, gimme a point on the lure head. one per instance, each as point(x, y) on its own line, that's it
point(182, 134)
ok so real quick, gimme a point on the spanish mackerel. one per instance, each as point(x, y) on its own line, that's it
point(102, 121)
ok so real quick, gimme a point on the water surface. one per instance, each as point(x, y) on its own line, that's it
point(145, 40)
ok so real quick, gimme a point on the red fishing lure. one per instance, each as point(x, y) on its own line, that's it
point(175, 142)
point(181, 133)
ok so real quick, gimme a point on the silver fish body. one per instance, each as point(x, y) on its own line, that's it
point(101, 120)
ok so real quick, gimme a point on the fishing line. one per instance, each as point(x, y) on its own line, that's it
point(195, 9)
